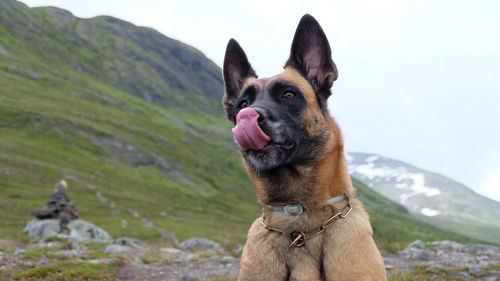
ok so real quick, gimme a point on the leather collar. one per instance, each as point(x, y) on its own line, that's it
point(298, 209)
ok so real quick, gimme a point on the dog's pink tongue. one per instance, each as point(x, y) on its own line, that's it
point(247, 132)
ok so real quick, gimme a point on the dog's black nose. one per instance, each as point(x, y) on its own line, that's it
point(262, 115)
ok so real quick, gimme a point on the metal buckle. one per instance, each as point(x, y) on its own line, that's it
point(293, 209)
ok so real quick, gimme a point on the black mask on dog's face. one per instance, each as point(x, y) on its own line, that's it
point(274, 116)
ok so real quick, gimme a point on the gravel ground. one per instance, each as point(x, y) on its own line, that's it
point(452, 260)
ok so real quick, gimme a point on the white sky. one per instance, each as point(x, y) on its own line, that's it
point(419, 80)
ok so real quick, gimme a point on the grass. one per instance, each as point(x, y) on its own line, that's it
point(422, 273)
point(46, 142)
point(494, 267)
point(68, 271)
point(61, 268)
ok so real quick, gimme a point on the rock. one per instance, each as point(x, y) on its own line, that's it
point(418, 251)
point(188, 277)
point(20, 254)
point(168, 236)
point(176, 254)
point(129, 242)
point(26, 73)
point(464, 274)
point(435, 268)
point(197, 243)
point(474, 269)
point(72, 252)
point(101, 261)
point(170, 252)
point(417, 244)
point(81, 230)
point(446, 245)
point(49, 244)
point(495, 272)
point(117, 249)
point(42, 260)
point(420, 254)
point(78, 247)
point(227, 259)
point(4, 52)
point(479, 249)
point(461, 262)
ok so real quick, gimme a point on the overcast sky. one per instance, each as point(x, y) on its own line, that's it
point(419, 80)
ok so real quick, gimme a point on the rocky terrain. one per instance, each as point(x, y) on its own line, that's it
point(203, 259)
point(444, 260)
point(79, 256)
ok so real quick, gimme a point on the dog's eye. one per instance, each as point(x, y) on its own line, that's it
point(243, 104)
point(288, 95)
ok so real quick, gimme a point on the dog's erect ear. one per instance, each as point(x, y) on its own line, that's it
point(236, 69)
point(312, 56)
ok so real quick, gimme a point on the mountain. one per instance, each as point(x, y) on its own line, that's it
point(137, 60)
point(132, 120)
point(431, 197)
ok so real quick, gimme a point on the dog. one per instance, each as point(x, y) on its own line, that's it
point(312, 226)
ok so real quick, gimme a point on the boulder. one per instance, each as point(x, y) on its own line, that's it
point(227, 259)
point(20, 253)
point(435, 268)
point(72, 252)
point(417, 244)
point(129, 242)
point(200, 243)
point(176, 254)
point(446, 245)
point(416, 254)
point(474, 269)
point(417, 251)
point(113, 248)
point(81, 231)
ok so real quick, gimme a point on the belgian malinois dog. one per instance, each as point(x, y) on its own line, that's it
point(312, 228)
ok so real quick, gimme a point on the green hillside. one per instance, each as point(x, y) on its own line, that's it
point(60, 117)
point(132, 120)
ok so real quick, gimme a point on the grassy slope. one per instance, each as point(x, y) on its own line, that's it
point(59, 121)
point(56, 121)
point(44, 135)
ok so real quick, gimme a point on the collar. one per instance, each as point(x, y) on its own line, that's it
point(298, 209)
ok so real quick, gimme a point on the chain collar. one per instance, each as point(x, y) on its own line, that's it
point(298, 238)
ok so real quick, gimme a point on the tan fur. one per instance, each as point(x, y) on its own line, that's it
point(346, 250)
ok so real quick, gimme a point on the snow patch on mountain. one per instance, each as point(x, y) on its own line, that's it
point(413, 183)
point(372, 158)
point(429, 212)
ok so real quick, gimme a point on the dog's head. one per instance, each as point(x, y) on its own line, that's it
point(281, 120)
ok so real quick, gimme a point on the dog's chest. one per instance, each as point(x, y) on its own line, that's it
point(291, 236)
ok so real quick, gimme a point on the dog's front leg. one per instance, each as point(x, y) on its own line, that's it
point(305, 269)
point(262, 259)
point(258, 269)
point(350, 252)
